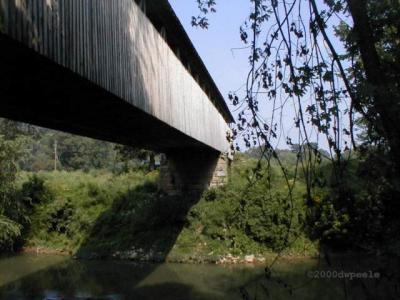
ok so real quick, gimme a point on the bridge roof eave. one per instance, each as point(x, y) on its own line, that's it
point(163, 17)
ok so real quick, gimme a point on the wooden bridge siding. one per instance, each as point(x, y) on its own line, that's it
point(113, 44)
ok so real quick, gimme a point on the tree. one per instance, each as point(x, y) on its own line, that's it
point(12, 130)
point(129, 153)
point(295, 61)
point(376, 37)
point(76, 152)
point(10, 230)
point(327, 64)
point(331, 65)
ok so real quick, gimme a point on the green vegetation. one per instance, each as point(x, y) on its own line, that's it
point(109, 211)
point(358, 211)
point(29, 153)
point(246, 216)
point(99, 214)
point(47, 150)
point(71, 203)
point(97, 199)
point(10, 212)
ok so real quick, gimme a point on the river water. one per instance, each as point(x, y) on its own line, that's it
point(31, 276)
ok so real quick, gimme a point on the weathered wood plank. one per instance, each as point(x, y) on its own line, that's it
point(113, 44)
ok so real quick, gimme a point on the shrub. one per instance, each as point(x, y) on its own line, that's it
point(11, 210)
point(249, 216)
point(59, 216)
point(10, 231)
point(359, 211)
point(34, 191)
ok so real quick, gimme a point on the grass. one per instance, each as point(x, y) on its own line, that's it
point(77, 201)
point(98, 214)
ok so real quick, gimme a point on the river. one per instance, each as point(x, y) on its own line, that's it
point(31, 276)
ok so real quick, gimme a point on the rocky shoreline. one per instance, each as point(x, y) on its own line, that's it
point(44, 250)
point(140, 255)
point(152, 256)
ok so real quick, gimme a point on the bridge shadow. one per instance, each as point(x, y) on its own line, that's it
point(142, 224)
point(65, 90)
point(104, 280)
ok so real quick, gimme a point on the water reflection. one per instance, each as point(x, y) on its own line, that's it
point(14, 268)
point(54, 277)
point(61, 278)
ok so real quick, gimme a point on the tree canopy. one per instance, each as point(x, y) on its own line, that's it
point(328, 62)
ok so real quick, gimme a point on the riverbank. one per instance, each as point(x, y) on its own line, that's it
point(101, 215)
point(26, 276)
point(46, 251)
point(54, 277)
point(138, 255)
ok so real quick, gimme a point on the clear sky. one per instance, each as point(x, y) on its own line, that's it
point(228, 67)
point(222, 51)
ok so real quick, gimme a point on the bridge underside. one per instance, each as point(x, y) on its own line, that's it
point(36, 90)
point(106, 70)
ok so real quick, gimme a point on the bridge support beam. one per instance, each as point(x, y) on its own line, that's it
point(191, 172)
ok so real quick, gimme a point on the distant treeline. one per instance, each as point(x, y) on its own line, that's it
point(46, 150)
point(265, 207)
